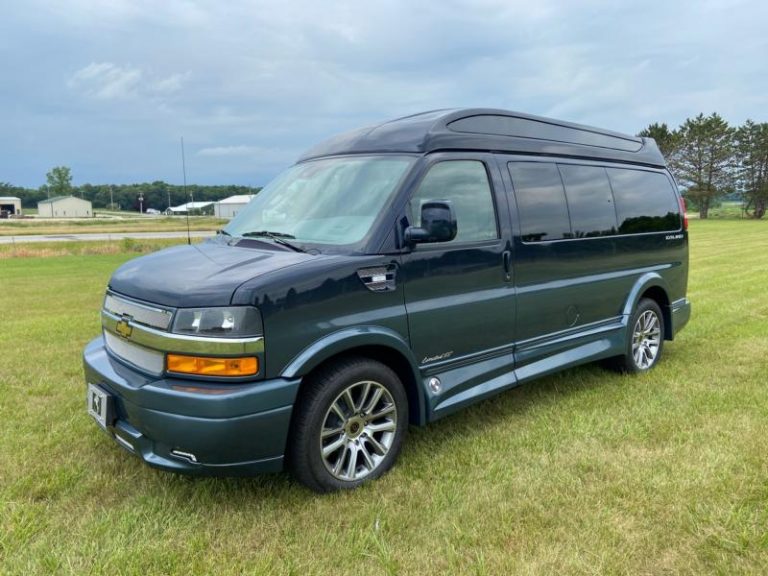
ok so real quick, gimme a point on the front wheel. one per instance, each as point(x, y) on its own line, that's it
point(645, 340)
point(349, 425)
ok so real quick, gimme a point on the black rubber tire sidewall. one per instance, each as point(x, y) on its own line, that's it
point(304, 459)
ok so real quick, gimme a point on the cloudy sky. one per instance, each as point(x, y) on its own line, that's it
point(108, 87)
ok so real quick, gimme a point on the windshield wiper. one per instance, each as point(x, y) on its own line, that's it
point(278, 237)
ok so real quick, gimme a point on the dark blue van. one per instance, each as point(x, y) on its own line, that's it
point(392, 276)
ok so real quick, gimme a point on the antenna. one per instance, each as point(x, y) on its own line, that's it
point(184, 172)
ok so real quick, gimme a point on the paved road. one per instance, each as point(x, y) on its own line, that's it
point(101, 236)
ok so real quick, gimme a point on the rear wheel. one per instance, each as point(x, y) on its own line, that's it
point(645, 340)
point(349, 425)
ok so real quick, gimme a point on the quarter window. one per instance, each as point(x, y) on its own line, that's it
point(465, 184)
point(645, 201)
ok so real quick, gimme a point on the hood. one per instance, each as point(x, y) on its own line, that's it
point(204, 274)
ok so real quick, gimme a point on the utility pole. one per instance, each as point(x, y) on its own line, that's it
point(141, 202)
point(111, 198)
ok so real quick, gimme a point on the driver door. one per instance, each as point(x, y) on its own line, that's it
point(459, 295)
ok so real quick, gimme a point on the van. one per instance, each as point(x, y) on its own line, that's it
point(392, 276)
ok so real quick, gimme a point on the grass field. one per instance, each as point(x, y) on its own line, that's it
point(584, 472)
point(96, 225)
point(124, 247)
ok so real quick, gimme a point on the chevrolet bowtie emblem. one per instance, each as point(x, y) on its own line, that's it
point(124, 328)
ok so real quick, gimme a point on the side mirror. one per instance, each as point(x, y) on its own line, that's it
point(438, 223)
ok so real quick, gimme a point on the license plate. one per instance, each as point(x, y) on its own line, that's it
point(99, 405)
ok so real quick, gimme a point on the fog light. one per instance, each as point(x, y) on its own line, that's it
point(204, 366)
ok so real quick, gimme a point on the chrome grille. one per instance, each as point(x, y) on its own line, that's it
point(146, 359)
point(153, 316)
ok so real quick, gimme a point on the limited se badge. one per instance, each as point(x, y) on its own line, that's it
point(443, 356)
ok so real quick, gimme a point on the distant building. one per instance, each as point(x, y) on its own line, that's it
point(64, 207)
point(191, 207)
point(9, 206)
point(230, 207)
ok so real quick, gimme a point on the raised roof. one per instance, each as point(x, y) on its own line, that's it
point(491, 130)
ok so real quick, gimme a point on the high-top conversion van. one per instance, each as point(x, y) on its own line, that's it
point(392, 276)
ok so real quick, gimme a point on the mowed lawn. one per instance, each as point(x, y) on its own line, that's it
point(584, 472)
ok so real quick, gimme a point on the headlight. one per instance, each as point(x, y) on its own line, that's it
point(227, 322)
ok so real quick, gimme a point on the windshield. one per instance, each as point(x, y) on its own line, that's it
point(329, 201)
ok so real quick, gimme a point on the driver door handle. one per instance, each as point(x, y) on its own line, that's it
point(507, 260)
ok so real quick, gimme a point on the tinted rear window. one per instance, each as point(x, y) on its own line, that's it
point(645, 201)
point(540, 201)
point(590, 201)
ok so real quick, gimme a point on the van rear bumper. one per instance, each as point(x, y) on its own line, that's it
point(191, 426)
point(681, 313)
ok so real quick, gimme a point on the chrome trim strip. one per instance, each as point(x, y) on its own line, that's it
point(612, 323)
point(124, 443)
point(141, 313)
point(680, 303)
point(188, 456)
point(180, 343)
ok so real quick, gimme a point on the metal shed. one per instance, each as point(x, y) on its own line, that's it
point(64, 207)
point(229, 207)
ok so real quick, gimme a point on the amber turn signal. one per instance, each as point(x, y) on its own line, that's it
point(204, 366)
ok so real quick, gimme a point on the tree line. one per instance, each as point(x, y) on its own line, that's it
point(158, 195)
point(712, 159)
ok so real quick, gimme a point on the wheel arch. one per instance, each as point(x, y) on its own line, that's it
point(651, 285)
point(376, 343)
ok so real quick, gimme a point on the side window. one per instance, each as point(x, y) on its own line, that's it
point(590, 201)
point(465, 184)
point(540, 201)
point(645, 201)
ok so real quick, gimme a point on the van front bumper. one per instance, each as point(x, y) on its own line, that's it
point(191, 426)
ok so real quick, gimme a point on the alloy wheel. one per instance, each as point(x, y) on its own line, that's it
point(646, 338)
point(358, 430)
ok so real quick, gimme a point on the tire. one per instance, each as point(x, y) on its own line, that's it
point(348, 427)
point(645, 339)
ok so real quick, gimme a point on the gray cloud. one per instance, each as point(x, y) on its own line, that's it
point(105, 80)
point(108, 81)
point(109, 87)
